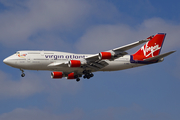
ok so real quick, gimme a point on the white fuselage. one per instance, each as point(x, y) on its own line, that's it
point(39, 60)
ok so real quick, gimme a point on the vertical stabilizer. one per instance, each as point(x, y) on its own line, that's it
point(151, 48)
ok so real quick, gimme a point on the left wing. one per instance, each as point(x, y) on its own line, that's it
point(98, 61)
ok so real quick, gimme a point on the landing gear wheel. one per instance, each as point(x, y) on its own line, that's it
point(77, 79)
point(22, 75)
point(91, 75)
point(84, 77)
point(88, 75)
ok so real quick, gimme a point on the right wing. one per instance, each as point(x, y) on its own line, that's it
point(59, 64)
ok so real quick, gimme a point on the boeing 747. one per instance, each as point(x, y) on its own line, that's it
point(74, 66)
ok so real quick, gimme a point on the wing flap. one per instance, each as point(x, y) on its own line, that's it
point(99, 64)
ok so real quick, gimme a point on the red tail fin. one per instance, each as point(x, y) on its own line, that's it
point(151, 48)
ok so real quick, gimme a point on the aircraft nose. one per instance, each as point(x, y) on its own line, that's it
point(8, 61)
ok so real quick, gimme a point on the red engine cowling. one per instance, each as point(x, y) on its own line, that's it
point(74, 63)
point(71, 76)
point(105, 55)
point(56, 75)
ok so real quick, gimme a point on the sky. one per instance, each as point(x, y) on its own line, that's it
point(89, 26)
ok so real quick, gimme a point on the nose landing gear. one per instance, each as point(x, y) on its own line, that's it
point(23, 74)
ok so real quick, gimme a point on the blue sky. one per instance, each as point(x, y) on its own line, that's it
point(89, 26)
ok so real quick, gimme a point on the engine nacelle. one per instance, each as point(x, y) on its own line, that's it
point(74, 63)
point(105, 55)
point(71, 76)
point(56, 75)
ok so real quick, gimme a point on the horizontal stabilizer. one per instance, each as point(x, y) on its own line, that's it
point(159, 56)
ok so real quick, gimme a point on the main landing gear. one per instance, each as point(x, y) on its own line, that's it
point(23, 74)
point(87, 74)
point(77, 77)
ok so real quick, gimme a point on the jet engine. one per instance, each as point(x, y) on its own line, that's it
point(74, 63)
point(105, 55)
point(56, 75)
point(71, 76)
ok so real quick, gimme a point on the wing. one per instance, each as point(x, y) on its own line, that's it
point(97, 62)
point(120, 51)
point(129, 46)
point(59, 64)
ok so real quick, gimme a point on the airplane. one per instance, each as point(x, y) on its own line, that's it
point(74, 66)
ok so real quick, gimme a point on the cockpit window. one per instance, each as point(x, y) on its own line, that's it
point(17, 53)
